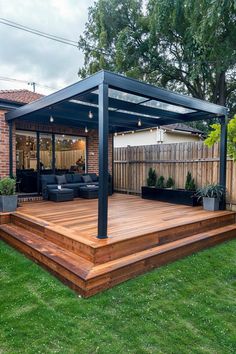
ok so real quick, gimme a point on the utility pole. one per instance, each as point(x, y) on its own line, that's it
point(33, 84)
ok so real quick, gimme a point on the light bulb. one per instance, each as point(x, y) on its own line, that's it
point(139, 123)
point(90, 114)
point(51, 119)
point(86, 129)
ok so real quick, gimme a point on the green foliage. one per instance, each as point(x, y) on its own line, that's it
point(187, 45)
point(7, 186)
point(41, 315)
point(214, 137)
point(152, 177)
point(190, 183)
point(211, 191)
point(170, 183)
point(160, 182)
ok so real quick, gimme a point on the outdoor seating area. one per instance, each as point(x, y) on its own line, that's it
point(80, 185)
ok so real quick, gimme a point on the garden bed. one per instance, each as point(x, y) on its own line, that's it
point(175, 196)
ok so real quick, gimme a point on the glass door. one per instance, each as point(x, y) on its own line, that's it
point(26, 162)
point(70, 153)
point(45, 154)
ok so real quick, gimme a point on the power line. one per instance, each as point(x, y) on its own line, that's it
point(38, 33)
point(32, 83)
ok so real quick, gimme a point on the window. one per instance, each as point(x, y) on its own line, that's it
point(26, 150)
point(45, 151)
point(70, 153)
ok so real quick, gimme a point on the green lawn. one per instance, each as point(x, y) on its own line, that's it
point(185, 307)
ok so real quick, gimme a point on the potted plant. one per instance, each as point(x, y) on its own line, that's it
point(170, 183)
point(152, 177)
point(160, 182)
point(8, 198)
point(190, 183)
point(165, 192)
point(211, 195)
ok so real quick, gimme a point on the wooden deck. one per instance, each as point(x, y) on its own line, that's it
point(129, 216)
point(143, 234)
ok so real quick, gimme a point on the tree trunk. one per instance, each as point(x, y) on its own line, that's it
point(222, 89)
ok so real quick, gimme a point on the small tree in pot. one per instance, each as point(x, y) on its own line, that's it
point(160, 182)
point(190, 183)
point(152, 177)
point(170, 183)
point(211, 195)
point(8, 198)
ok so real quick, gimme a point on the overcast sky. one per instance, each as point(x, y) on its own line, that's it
point(29, 57)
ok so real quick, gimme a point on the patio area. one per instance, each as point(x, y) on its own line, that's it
point(129, 216)
point(93, 245)
point(143, 234)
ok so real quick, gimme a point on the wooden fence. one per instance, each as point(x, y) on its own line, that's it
point(131, 165)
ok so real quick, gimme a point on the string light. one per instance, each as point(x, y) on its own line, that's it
point(115, 134)
point(51, 119)
point(139, 123)
point(86, 129)
point(90, 115)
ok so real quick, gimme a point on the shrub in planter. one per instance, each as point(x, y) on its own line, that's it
point(211, 195)
point(170, 183)
point(8, 198)
point(190, 183)
point(152, 177)
point(160, 182)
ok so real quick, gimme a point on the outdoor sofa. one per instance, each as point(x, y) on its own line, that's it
point(72, 181)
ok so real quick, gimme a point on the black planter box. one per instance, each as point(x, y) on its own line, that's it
point(175, 196)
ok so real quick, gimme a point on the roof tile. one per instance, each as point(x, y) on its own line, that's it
point(19, 96)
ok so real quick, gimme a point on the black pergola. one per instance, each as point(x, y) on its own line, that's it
point(117, 104)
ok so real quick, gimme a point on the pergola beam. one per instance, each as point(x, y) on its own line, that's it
point(146, 90)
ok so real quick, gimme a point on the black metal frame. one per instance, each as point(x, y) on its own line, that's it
point(108, 118)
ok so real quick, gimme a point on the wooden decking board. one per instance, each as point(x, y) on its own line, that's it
point(142, 235)
point(128, 215)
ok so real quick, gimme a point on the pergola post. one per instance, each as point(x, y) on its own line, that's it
point(223, 156)
point(53, 153)
point(38, 161)
point(103, 132)
point(10, 124)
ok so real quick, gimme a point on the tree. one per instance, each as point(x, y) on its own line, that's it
point(185, 45)
point(214, 137)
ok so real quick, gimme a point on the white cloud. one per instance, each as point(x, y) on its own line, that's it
point(29, 57)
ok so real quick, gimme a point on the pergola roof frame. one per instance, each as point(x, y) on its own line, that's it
point(124, 117)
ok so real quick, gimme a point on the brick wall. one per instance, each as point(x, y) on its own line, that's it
point(4, 146)
point(92, 142)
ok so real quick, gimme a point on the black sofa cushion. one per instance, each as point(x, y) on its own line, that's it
point(61, 179)
point(69, 178)
point(94, 177)
point(48, 179)
point(77, 178)
point(87, 179)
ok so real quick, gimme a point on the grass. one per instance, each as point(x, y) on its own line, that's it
point(185, 307)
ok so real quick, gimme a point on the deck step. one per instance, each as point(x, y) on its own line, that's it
point(113, 248)
point(68, 266)
point(88, 278)
point(107, 275)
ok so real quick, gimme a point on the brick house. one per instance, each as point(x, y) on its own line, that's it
point(73, 148)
